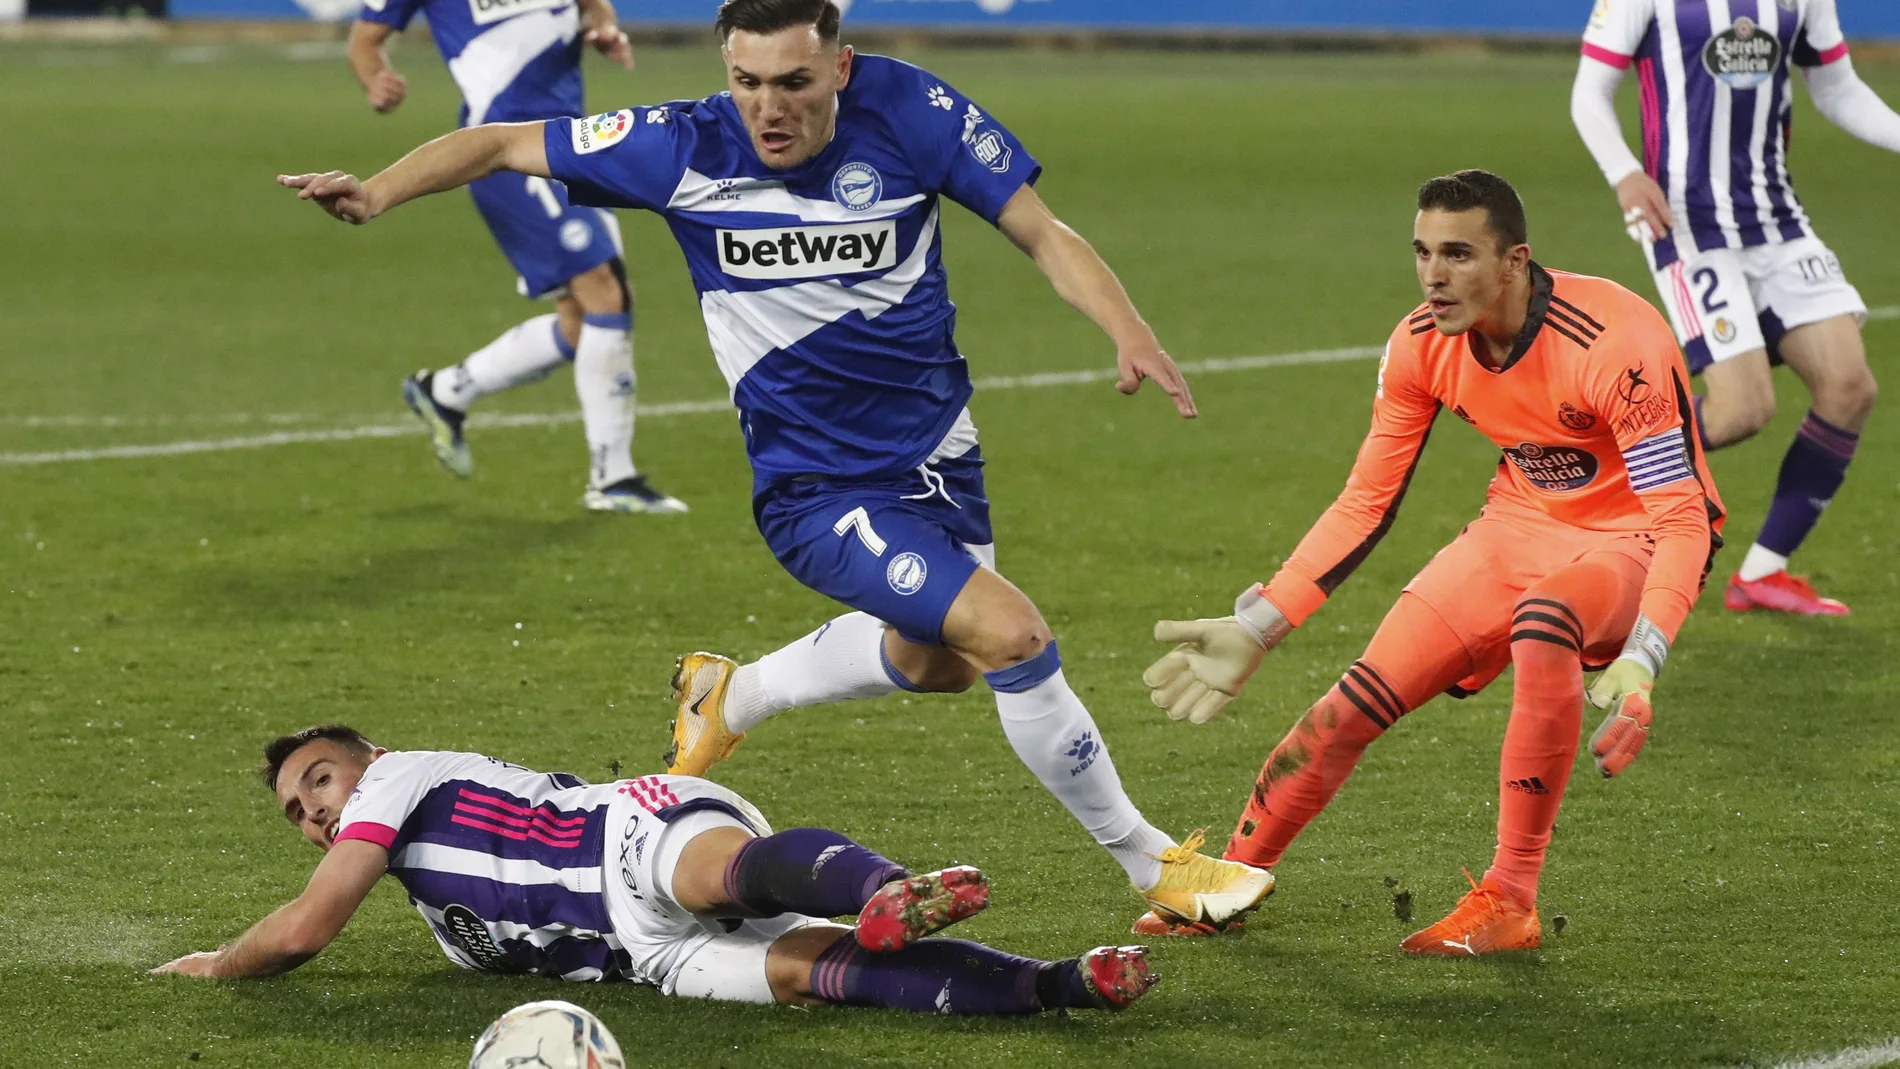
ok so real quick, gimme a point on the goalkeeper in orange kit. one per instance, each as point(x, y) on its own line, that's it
point(1595, 539)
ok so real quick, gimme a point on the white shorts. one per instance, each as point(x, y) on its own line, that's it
point(648, 826)
point(1726, 302)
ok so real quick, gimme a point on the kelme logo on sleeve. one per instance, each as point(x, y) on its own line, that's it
point(808, 251)
point(597, 132)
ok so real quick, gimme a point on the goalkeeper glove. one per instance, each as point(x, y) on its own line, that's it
point(1623, 689)
point(1214, 658)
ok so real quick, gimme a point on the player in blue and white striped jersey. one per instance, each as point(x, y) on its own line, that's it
point(517, 60)
point(807, 200)
point(1746, 281)
point(664, 880)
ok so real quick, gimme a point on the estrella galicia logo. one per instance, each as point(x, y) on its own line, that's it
point(1554, 468)
point(1575, 418)
point(1085, 750)
point(1743, 56)
point(906, 573)
point(857, 186)
point(468, 932)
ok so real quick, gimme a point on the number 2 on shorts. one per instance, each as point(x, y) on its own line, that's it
point(860, 521)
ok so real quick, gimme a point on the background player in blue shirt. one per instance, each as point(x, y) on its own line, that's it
point(518, 60)
point(806, 200)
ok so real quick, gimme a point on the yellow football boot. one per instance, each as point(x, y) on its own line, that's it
point(700, 737)
point(1197, 889)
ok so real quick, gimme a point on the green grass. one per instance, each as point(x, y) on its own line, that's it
point(1730, 901)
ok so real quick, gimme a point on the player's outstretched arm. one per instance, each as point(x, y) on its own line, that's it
point(369, 61)
point(452, 160)
point(1215, 657)
point(1852, 104)
point(1081, 278)
point(300, 929)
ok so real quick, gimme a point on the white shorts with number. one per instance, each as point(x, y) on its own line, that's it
point(648, 825)
point(1726, 302)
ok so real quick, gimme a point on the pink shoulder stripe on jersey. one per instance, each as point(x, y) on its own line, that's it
point(1615, 59)
point(381, 834)
point(1838, 52)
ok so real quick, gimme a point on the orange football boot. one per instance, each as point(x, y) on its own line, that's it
point(1486, 921)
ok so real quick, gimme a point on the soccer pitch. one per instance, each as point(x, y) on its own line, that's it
point(1728, 902)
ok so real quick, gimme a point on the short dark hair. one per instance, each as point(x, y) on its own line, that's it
point(1469, 190)
point(771, 16)
point(279, 749)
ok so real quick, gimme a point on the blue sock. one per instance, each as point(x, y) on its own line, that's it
point(813, 871)
point(947, 976)
point(1811, 472)
point(561, 342)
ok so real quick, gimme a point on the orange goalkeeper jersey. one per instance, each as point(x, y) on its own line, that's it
point(1592, 412)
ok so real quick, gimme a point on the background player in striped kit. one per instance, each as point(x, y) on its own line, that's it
point(1592, 546)
point(519, 60)
point(665, 880)
point(1745, 279)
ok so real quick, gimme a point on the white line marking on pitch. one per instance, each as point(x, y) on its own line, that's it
point(678, 408)
point(288, 419)
point(1886, 1052)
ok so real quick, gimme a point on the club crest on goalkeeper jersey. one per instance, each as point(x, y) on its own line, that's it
point(514, 60)
point(822, 286)
point(1591, 412)
point(1717, 109)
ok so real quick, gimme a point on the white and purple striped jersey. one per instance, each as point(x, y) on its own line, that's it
point(505, 863)
point(1716, 109)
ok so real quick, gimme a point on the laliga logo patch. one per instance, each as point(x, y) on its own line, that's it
point(1743, 56)
point(906, 573)
point(599, 131)
point(857, 186)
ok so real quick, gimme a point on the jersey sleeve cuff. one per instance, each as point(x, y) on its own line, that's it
point(1605, 56)
point(1297, 597)
point(1832, 55)
point(381, 834)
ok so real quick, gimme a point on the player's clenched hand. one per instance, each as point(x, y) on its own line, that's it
point(202, 963)
point(335, 192)
point(1624, 690)
point(1645, 209)
point(1148, 361)
point(386, 90)
point(611, 41)
point(1197, 678)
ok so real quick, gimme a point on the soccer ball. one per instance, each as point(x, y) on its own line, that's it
point(547, 1035)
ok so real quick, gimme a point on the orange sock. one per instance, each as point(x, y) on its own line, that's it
point(1575, 608)
point(1414, 656)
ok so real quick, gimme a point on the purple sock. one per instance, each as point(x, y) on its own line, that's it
point(947, 976)
point(813, 871)
point(1810, 474)
point(1701, 428)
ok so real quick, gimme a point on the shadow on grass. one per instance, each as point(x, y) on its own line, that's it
point(465, 552)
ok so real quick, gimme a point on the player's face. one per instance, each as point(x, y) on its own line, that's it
point(785, 85)
point(1460, 267)
point(313, 785)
